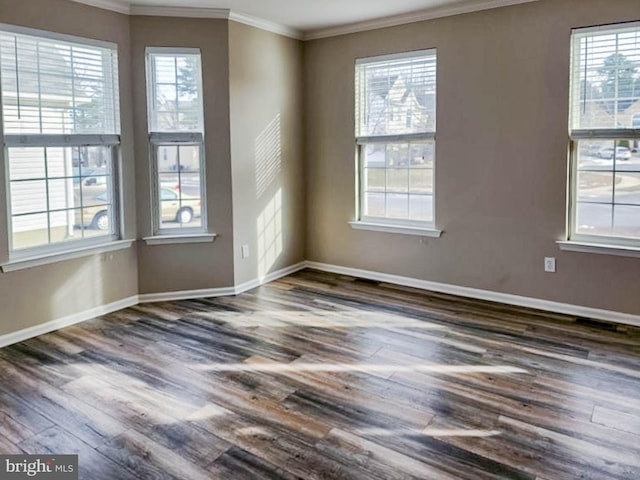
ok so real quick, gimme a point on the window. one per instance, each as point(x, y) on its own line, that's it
point(605, 135)
point(60, 119)
point(176, 127)
point(395, 129)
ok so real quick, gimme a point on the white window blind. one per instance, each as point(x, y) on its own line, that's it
point(52, 86)
point(396, 94)
point(604, 80)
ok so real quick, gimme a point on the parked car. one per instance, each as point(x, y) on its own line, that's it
point(621, 153)
point(175, 210)
point(96, 213)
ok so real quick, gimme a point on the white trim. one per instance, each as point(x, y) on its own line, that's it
point(27, 333)
point(380, 227)
point(270, 277)
point(266, 25)
point(599, 248)
point(186, 294)
point(539, 304)
point(411, 17)
point(113, 5)
point(183, 12)
point(46, 259)
point(173, 239)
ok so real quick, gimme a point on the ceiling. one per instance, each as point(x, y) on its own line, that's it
point(309, 18)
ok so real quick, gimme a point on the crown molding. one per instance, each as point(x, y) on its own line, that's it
point(113, 5)
point(266, 25)
point(183, 12)
point(412, 17)
point(122, 6)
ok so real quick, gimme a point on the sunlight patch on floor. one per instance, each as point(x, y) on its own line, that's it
point(357, 367)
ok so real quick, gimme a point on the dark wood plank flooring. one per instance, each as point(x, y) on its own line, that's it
point(321, 376)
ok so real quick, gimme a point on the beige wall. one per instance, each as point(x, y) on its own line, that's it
point(501, 155)
point(33, 296)
point(501, 159)
point(177, 267)
point(265, 73)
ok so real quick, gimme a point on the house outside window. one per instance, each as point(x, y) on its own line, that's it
point(61, 138)
point(604, 205)
point(176, 133)
point(395, 137)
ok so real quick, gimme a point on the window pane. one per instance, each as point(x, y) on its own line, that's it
point(374, 204)
point(29, 231)
point(594, 219)
point(626, 222)
point(421, 207)
point(604, 77)
point(28, 197)
point(71, 201)
point(398, 180)
point(167, 158)
point(26, 163)
point(61, 194)
point(397, 206)
point(189, 158)
point(421, 180)
point(628, 189)
point(422, 154)
point(595, 187)
point(375, 179)
point(396, 96)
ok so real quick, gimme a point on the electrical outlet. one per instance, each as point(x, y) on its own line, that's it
point(550, 264)
point(245, 251)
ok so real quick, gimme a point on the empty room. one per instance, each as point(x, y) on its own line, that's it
point(293, 239)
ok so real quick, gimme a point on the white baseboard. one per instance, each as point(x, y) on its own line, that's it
point(185, 295)
point(270, 277)
point(220, 292)
point(27, 333)
point(546, 305)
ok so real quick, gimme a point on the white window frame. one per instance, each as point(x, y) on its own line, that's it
point(386, 224)
point(113, 141)
point(158, 139)
point(579, 241)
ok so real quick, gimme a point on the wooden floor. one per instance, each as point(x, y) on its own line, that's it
point(319, 376)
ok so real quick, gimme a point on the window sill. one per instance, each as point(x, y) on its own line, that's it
point(378, 227)
point(173, 239)
point(584, 247)
point(30, 262)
